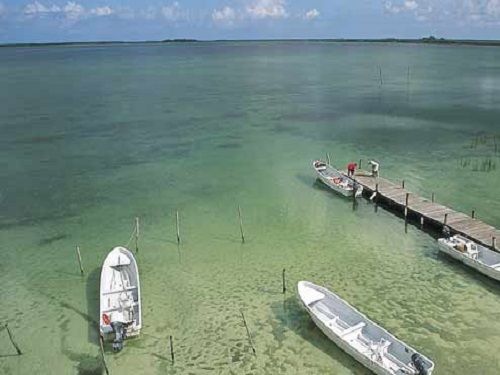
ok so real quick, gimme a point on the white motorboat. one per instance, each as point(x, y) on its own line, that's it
point(472, 254)
point(358, 336)
point(120, 307)
point(336, 180)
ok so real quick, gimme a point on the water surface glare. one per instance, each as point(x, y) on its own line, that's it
point(93, 136)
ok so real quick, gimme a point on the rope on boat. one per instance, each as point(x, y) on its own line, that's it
point(131, 236)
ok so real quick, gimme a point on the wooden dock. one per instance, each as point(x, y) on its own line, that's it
point(427, 211)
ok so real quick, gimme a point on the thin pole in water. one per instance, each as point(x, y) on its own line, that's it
point(421, 221)
point(172, 349)
point(493, 242)
point(137, 234)
point(445, 218)
point(103, 358)
point(177, 226)
point(284, 281)
point(79, 259)
point(19, 352)
point(241, 225)
point(248, 333)
point(473, 214)
point(403, 184)
point(432, 198)
point(359, 166)
point(328, 158)
point(406, 204)
point(380, 75)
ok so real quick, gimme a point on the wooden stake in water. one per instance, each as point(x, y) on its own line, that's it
point(284, 281)
point(172, 348)
point(359, 166)
point(473, 214)
point(136, 234)
point(177, 226)
point(403, 184)
point(328, 158)
point(103, 359)
point(445, 218)
point(421, 221)
point(406, 204)
point(432, 198)
point(248, 333)
point(19, 352)
point(79, 259)
point(241, 225)
point(380, 75)
point(493, 243)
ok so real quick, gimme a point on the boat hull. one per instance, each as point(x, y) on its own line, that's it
point(390, 364)
point(120, 293)
point(472, 263)
point(328, 175)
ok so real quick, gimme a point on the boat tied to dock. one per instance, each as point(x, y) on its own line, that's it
point(471, 254)
point(336, 180)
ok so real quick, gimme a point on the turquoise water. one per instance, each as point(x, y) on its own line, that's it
point(94, 136)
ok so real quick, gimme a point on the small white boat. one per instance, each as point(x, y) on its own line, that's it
point(472, 254)
point(358, 336)
point(120, 308)
point(336, 180)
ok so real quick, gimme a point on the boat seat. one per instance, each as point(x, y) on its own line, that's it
point(354, 330)
point(127, 289)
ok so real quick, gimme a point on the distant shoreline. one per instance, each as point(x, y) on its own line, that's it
point(430, 40)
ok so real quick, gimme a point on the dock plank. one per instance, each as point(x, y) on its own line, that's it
point(458, 222)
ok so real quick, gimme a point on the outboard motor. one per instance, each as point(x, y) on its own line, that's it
point(419, 363)
point(120, 334)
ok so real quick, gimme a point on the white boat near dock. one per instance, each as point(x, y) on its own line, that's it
point(358, 336)
point(120, 307)
point(472, 254)
point(336, 180)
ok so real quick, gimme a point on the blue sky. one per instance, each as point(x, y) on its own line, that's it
point(80, 20)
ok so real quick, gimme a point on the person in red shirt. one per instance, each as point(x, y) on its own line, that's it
point(351, 168)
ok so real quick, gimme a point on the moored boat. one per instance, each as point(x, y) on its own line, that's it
point(358, 336)
point(336, 180)
point(120, 306)
point(472, 254)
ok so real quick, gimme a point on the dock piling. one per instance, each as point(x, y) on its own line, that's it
point(103, 358)
point(328, 158)
point(172, 349)
point(11, 338)
point(432, 198)
point(248, 333)
point(79, 257)
point(421, 222)
point(494, 242)
point(177, 226)
point(359, 166)
point(406, 204)
point(403, 184)
point(284, 281)
point(473, 215)
point(241, 225)
point(137, 234)
point(445, 219)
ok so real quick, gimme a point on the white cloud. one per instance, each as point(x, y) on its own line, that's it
point(102, 11)
point(73, 11)
point(267, 9)
point(225, 15)
point(38, 9)
point(173, 12)
point(476, 12)
point(311, 14)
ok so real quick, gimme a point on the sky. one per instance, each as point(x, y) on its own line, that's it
point(133, 20)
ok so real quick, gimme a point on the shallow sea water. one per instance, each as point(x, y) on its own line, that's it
point(93, 136)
